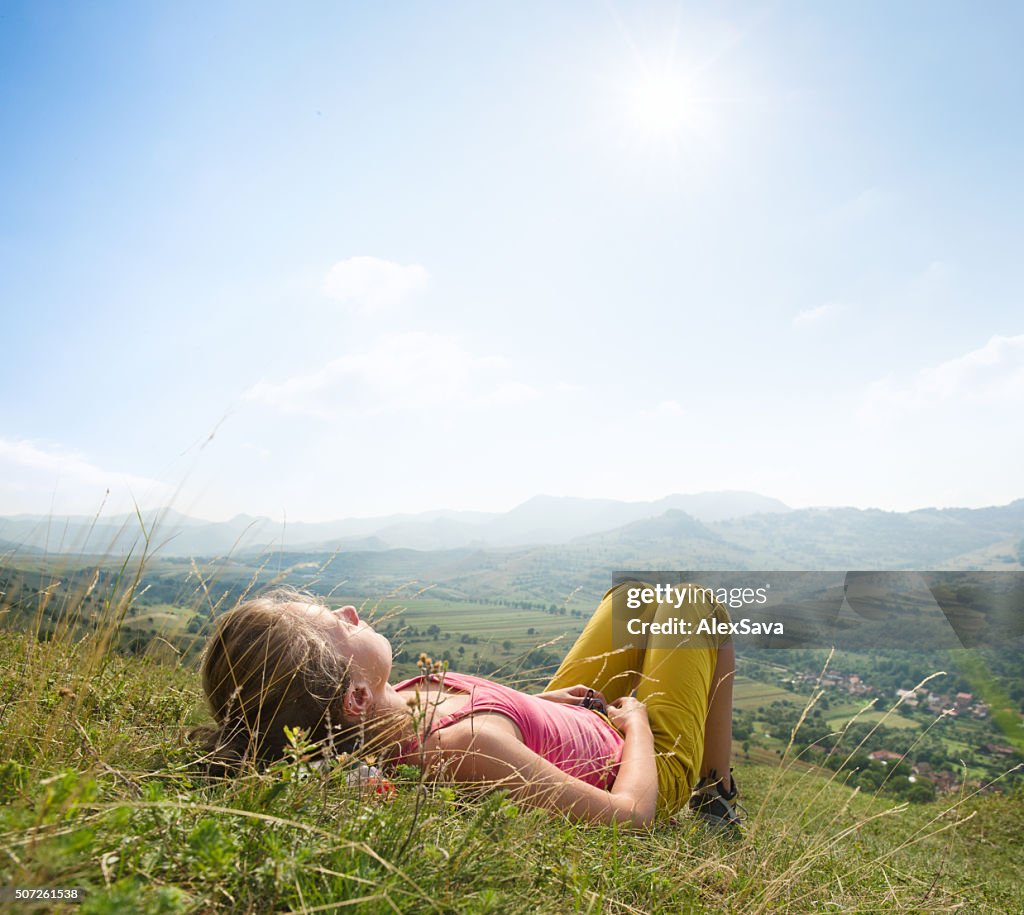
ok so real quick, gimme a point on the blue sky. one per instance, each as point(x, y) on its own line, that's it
point(322, 260)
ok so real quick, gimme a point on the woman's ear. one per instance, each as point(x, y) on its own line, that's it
point(357, 700)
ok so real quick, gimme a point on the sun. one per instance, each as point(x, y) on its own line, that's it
point(661, 116)
point(660, 106)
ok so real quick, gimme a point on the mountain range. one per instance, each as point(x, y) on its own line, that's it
point(723, 530)
point(540, 520)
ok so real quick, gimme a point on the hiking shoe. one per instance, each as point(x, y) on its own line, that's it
point(714, 806)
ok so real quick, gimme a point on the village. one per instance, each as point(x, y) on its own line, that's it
point(953, 705)
point(947, 774)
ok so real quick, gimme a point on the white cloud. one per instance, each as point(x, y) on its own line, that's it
point(812, 316)
point(401, 372)
point(991, 374)
point(36, 471)
point(369, 283)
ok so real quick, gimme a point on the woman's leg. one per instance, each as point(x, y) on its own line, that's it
point(677, 675)
point(718, 729)
point(595, 661)
point(686, 683)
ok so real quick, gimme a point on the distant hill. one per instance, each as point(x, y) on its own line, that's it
point(7, 548)
point(548, 544)
point(540, 520)
point(820, 538)
point(553, 519)
point(720, 506)
point(673, 525)
point(844, 537)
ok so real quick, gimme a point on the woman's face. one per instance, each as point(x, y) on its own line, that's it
point(369, 651)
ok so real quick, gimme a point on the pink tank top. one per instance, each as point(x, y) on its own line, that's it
point(580, 742)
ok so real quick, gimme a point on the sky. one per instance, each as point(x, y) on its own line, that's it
point(321, 260)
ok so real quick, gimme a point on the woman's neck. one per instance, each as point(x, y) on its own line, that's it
point(389, 725)
point(407, 717)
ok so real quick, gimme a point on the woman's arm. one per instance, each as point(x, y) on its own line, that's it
point(485, 750)
point(572, 695)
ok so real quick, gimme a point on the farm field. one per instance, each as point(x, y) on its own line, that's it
point(889, 719)
point(484, 621)
point(752, 694)
point(486, 633)
point(165, 619)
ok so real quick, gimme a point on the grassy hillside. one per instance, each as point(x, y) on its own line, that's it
point(98, 791)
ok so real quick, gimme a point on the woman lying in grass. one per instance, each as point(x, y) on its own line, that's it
point(619, 735)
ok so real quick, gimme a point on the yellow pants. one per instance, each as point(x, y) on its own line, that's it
point(673, 683)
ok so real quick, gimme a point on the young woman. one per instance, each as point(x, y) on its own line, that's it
point(666, 726)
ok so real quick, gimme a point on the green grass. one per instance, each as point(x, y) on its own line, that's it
point(890, 719)
point(98, 790)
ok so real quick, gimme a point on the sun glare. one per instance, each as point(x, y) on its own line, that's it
point(660, 106)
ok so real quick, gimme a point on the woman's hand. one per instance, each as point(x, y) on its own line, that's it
point(571, 695)
point(627, 713)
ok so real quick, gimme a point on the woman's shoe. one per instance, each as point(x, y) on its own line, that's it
point(716, 807)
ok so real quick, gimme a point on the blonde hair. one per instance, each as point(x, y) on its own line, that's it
point(266, 668)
